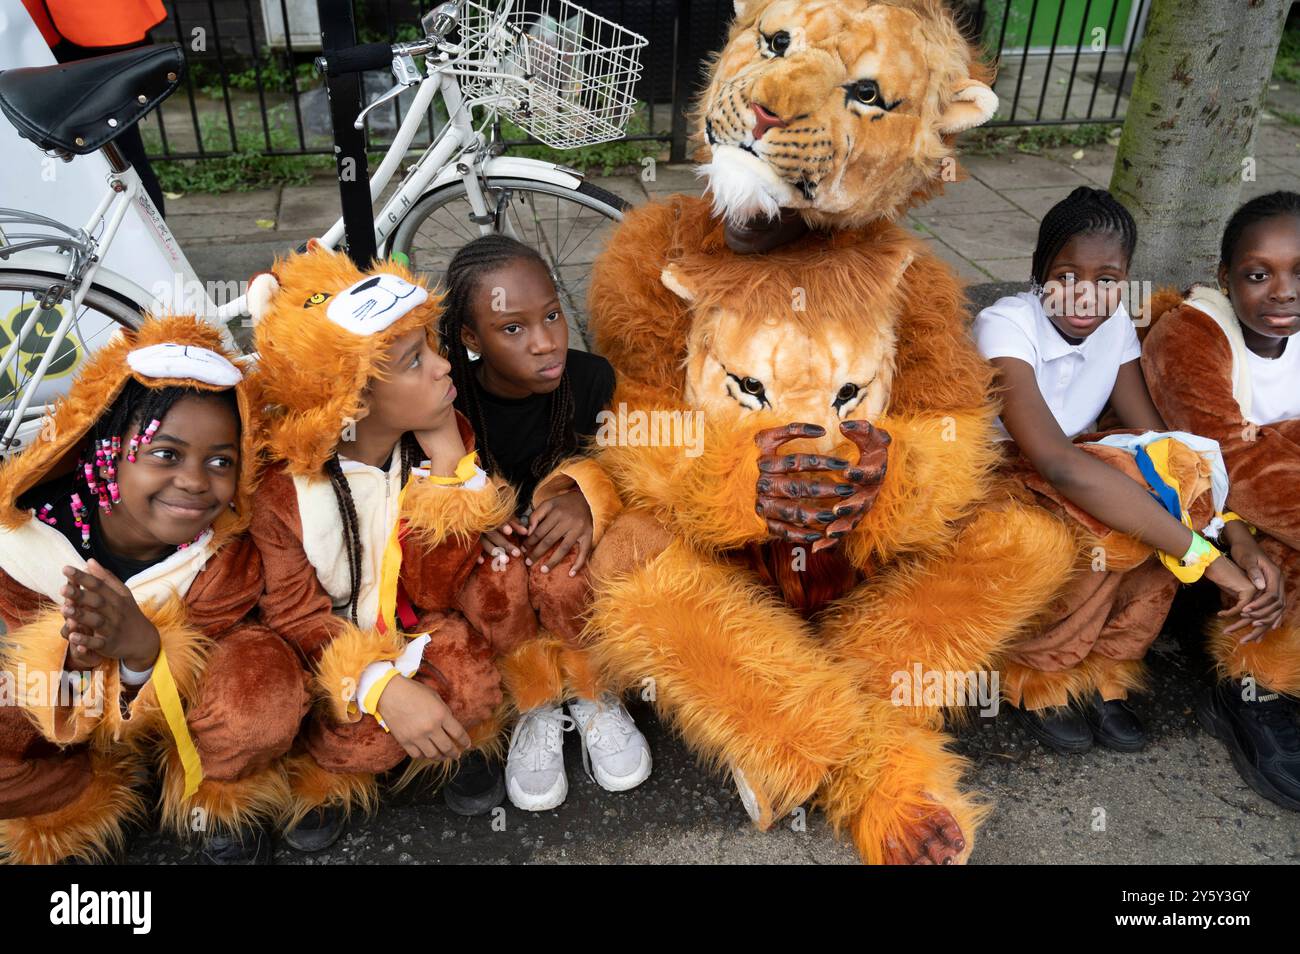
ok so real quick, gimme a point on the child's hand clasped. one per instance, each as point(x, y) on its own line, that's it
point(505, 539)
point(557, 526)
point(1264, 611)
point(103, 620)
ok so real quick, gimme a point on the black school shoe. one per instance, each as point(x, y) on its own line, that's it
point(247, 847)
point(1115, 725)
point(1261, 736)
point(478, 786)
point(319, 829)
point(1062, 729)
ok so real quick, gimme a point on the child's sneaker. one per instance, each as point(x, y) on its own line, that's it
point(535, 779)
point(614, 751)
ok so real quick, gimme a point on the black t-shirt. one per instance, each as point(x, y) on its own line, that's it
point(59, 493)
point(517, 427)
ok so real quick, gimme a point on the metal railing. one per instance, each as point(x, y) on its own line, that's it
point(250, 85)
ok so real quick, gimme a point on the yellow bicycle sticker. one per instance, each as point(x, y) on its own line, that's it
point(65, 360)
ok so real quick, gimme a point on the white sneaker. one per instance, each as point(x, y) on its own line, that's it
point(535, 779)
point(614, 751)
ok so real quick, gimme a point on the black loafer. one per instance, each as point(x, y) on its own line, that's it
point(248, 847)
point(478, 786)
point(1262, 737)
point(1061, 728)
point(1115, 725)
point(318, 830)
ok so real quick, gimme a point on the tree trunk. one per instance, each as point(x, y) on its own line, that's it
point(1190, 129)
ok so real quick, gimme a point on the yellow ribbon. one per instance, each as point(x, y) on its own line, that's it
point(391, 571)
point(464, 471)
point(169, 699)
point(1158, 451)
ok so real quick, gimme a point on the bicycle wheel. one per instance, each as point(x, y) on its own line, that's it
point(102, 313)
point(568, 226)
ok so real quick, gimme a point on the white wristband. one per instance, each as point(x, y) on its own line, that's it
point(132, 678)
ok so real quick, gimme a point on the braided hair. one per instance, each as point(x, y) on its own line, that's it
point(1085, 211)
point(130, 415)
point(468, 266)
point(411, 455)
point(1255, 211)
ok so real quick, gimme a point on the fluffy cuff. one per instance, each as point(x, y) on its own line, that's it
point(338, 674)
point(707, 498)
point(939, 469)
point(438, 513)
point(72, 710)
point(595, 486)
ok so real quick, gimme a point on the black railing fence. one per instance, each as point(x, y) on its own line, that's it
point(251, 87)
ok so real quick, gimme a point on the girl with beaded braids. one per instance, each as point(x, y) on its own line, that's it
point(534, 403)
point(1221, 361)
point(1065, 351)
point(368, 521)
point(128, 587)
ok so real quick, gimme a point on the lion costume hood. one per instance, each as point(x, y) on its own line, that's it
point(315, 371)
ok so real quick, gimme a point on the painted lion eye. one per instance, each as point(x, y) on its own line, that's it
point(866, 92)
point(778, 42)
point(847, 393)
point(751, 386)
point(316, 299)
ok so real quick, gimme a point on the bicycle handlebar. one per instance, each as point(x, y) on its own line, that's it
point(356, 59)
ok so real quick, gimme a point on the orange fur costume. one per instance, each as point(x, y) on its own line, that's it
point(1193, 367)
point(481, 624)
point(776, 663)
point(70, 774)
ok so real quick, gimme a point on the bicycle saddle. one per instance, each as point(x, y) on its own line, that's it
point(78, 107)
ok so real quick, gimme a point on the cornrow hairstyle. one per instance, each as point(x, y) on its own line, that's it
point(411, 455)
point(1085, 211)
point(466, 270)
point(1255, 211)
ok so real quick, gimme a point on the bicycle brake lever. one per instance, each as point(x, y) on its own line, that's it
point(406, 73)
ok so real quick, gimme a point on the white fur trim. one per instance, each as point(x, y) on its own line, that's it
point(184, 361)
point(673, 282)
point(374, 303)
point(1215, 303)
point(34, 555)
point(375, 496)
point(745, 187)
point(260, 292)
point(960, 118)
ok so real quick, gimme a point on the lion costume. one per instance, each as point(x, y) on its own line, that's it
point(774, 653)
point(71, 768)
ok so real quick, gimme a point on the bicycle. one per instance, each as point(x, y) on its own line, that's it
point(561, 73)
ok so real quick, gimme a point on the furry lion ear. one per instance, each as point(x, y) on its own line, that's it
point(261, 289)
point(973, 104)
point(672, 280)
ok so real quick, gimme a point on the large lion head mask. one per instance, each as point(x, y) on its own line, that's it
point(842, 109)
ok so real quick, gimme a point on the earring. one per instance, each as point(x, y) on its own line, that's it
point(82, 520)
point(1035, 288)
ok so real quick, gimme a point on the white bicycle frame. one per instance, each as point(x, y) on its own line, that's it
point(459, 152)
point(458, 141)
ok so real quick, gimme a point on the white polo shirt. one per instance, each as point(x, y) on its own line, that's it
point(1275, 384)
point(1076, 381)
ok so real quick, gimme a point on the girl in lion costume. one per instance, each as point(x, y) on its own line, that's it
point(840, 525)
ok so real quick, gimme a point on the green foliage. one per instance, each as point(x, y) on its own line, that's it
point(1286, 68)
point(274, 69)
point(999, 140)
point(251, 166)
point(606, 156)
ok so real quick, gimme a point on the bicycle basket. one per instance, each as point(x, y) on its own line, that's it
point(558, 71)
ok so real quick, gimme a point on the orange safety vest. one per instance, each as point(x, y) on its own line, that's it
point(102, 23)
